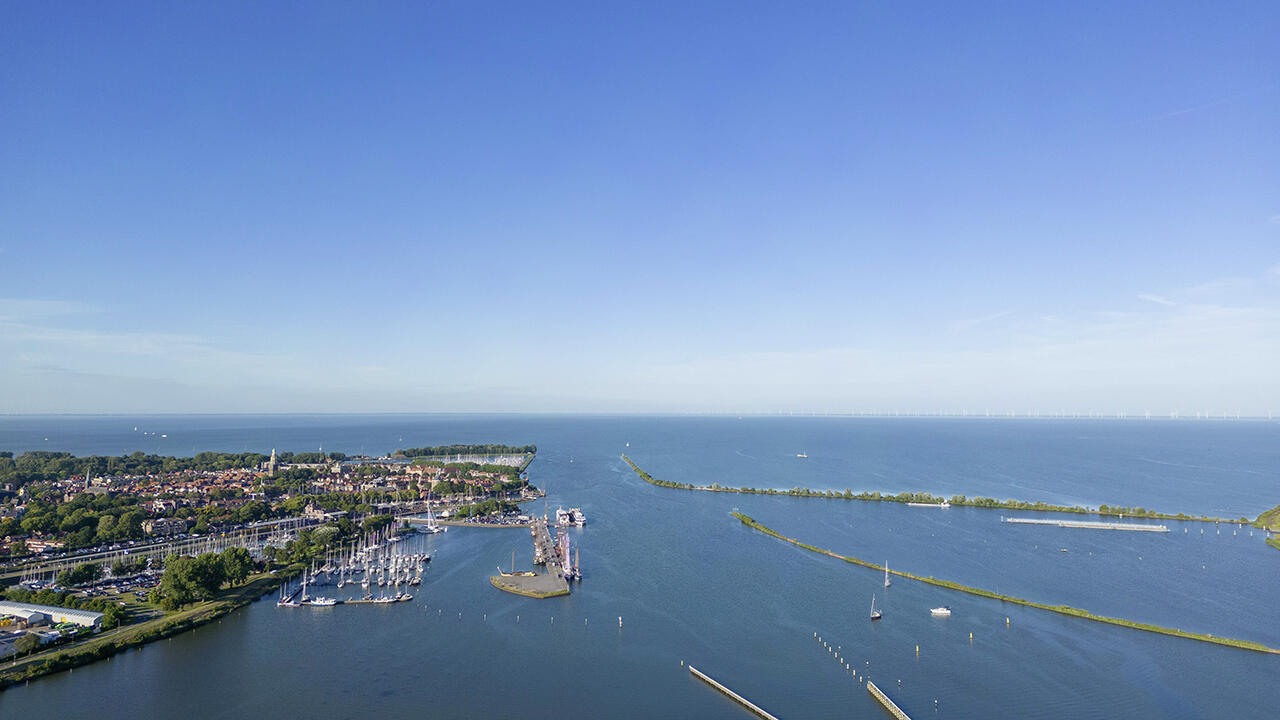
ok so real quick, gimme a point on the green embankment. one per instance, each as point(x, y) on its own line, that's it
point(1274, 542)
point(1061, 609)
point(1269, 520)
point(113, 641)
point(921, 497)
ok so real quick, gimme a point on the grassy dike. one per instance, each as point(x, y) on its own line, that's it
point(123, 638)
point(1060, 609)
point(919, 497)
point(1270, 521)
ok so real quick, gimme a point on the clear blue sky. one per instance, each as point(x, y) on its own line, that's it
point(218, 207)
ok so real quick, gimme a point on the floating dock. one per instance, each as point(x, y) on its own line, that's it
point(890, 706)
point(1089, 524)
point(741, 700)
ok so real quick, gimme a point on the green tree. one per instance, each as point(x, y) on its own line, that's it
point(129, 526)
point(187, 579)
point(208, 575)
point(176, 586)
point(27, 644)
point(106, 528)
point(236, 564)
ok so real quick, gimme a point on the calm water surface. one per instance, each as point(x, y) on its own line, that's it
point(694, 585)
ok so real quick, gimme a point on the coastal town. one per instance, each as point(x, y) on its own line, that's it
point(91, 542)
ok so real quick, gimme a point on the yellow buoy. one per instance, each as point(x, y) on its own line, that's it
point(1006, 622)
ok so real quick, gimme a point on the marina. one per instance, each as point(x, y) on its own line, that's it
point(378, 566)
point(1087, 524)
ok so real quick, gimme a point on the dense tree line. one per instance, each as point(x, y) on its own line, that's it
point(189, 579)
point(488, 507)
point(446, 450)
point(85, 520)
point(44, 466)
point(80, 575)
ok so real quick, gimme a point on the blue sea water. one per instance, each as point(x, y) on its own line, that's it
point(695, 586)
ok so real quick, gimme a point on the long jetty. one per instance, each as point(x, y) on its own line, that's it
point(741, 700)
point(890, 706)
point(545, 552)
point(1089, 524)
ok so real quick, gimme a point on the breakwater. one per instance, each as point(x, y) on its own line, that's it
point(1088, 525)
point(735, 696)
point(1060, 609)
point(890, 706)
point(923, 498)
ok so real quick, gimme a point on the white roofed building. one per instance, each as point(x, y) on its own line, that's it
point(84, 618)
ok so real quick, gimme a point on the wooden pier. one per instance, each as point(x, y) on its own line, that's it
point(890, 706)
point(735, 696)
point(1089, 524)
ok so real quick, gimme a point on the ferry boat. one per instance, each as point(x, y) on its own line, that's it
point(944, 611)
point(572, 516)
point(802, 454)
point(944, 505)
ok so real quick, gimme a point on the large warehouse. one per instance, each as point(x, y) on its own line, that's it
point(31, 613)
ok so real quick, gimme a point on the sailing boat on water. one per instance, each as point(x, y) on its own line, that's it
point(886, 573)
point(875, 614)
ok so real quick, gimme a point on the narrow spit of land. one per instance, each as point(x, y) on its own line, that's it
point(927, 498)
point(1060, 609)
